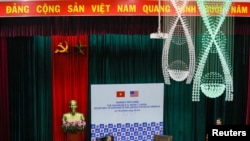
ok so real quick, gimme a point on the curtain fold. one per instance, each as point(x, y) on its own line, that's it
point(29, 73)
point(77, 25)
point(242, 32)
point(70, 79)
point(184, 119)
point(248, 96)
point(4, 93)
point(235, 111)
point(119, 58)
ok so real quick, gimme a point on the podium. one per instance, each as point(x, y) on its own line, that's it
point(74, 136)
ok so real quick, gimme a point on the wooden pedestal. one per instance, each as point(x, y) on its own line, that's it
point(74, 136)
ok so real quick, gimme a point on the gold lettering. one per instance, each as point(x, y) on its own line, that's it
point(102, 8)
point(214, 8)
point(17, 9)
point(48, 8)
point(126, 8)
point(190, 9)
point(187, 9)
point(155, 8)
point(239, 9)
point(244, 10)
point(76, 8)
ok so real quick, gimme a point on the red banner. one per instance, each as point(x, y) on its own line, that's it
point(29, 8)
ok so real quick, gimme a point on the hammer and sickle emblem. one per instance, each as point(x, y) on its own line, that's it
point(61, 48)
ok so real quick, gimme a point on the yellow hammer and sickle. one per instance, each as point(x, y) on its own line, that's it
point(62, 49)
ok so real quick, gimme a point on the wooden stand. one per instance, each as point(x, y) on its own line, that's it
point(74, 136)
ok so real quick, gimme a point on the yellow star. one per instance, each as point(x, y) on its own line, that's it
point(79, 48)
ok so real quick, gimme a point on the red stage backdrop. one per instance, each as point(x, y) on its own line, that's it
point(248, 96)
point(70, 78)
point(4, 93)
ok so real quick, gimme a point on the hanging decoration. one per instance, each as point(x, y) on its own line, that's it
point(213, 75)
point(62, 48)
point(79, 48)
point(178, 55)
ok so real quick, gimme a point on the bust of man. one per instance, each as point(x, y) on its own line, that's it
point(73, 115)
point(218, 121)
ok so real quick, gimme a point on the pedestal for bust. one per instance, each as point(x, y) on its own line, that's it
point(74, 136)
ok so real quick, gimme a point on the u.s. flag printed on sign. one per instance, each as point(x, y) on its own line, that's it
point(134, 93)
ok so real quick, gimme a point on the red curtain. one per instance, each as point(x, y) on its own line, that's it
point(70, 79)
point(4, 95)
point(248, 98)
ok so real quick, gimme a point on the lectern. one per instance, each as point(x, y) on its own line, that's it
point(74, 136)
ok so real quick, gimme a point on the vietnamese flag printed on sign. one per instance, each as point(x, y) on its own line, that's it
point(120, 93)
